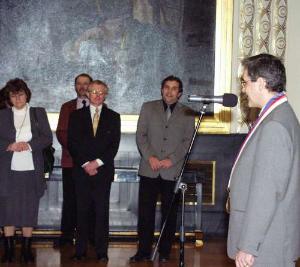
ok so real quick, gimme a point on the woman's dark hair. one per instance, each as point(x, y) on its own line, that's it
point(15, 86)
point(268, 67)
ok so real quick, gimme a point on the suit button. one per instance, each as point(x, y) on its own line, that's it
point(165, 139)
point(162, 151)
point(166, 126)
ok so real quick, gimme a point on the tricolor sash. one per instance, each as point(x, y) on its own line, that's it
point(269, 108)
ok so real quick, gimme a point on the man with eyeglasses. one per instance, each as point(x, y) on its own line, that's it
point(265, 178)
point(93, 142)
point(68, 217)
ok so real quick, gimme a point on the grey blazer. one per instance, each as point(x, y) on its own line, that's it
point(41, 138)
point(157, 136)
point(265, 192)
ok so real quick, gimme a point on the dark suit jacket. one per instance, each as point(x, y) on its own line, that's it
point(84, 147)
point(41, 138)
point(62, 131)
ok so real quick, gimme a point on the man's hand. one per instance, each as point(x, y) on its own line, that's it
point(92, 172)
point(243, 259)
point(93, 164)
point(166, 163)
point(154, 163)
point(91, 168)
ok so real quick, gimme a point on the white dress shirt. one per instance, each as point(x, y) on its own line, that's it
point(22, 161)
point(79, 102)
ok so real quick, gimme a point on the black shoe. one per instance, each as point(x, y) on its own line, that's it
point(139, 257)
point(102, 257)
point(78, 257)
point(163, 258)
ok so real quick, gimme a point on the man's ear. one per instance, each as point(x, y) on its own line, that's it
point(262, 83)
point(179, 95)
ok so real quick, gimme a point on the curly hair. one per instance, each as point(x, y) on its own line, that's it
point(17, 85)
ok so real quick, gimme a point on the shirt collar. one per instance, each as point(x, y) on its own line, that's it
point(79, 103)
point(93, 109)
point(172, 106)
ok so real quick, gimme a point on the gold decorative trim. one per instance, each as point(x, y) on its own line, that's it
point(43, 232)
point(214, 184)
point(211, 201)
point(219, 123)
point(112, 234)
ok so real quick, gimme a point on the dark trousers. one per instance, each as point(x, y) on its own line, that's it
point(92, 194)
point(68, 217)
point(149, 191)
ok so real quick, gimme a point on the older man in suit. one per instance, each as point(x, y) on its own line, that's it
point(164, 131)
point(68, 217)
point(93, 142)
point(265, 179)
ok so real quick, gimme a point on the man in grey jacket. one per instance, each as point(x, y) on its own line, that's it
point(164, 131)
point(265, 179)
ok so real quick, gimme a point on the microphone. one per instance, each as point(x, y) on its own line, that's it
point(227, 100)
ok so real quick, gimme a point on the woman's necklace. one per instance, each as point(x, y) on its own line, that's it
point(22, 122)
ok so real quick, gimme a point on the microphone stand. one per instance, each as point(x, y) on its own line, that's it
point(182, 187)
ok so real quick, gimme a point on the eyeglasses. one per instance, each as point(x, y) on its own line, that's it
point(97, 93)
point(243, 82)
point(17, 95)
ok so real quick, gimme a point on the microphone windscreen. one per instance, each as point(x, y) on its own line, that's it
point(229, 100)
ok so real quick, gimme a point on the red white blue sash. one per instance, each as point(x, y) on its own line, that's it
point(274, 104)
